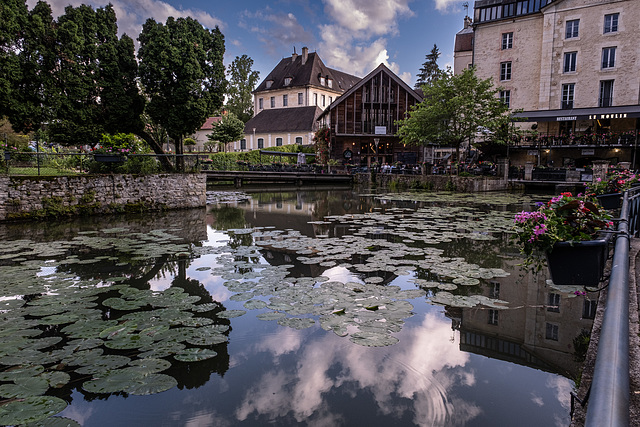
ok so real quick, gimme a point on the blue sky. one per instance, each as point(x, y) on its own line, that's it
point(353, 36)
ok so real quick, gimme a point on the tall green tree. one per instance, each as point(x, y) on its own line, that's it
point(242, 81)
point(430, 70)
point(182, 73)
point(454, 109)
point(227, 130)
point(28, 60)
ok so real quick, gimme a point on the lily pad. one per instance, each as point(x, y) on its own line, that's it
point(30, 409)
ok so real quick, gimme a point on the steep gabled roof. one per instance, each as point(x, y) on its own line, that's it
point(306, 74)
point(208, 125)
point(293, 119)
point(368, 77)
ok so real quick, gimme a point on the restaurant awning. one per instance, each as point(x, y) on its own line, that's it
point(601, 113)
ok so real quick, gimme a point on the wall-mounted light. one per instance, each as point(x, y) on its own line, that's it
point(616, 150)
point(547, 151)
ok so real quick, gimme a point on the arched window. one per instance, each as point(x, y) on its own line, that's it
point(299, 140)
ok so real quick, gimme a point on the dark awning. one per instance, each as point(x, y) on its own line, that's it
point(622, 112)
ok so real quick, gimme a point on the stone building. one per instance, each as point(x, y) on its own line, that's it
point(362, 121)
point(289, 100)
point(571, 66)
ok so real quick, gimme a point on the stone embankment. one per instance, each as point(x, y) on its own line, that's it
point(40, 197)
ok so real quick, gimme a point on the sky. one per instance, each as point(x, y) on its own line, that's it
point(353, 36)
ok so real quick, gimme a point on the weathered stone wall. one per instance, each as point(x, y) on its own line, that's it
point(445, 182)
point(37, 197)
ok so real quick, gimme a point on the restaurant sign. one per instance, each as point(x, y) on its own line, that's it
point(608, 116)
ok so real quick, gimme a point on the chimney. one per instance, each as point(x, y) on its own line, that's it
point(305, 54)
point(467, 22)
point(294, 56)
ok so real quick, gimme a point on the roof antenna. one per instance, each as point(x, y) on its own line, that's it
point(466, 8)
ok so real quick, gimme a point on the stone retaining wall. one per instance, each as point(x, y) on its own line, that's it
point(39, 197)
point(445, 182)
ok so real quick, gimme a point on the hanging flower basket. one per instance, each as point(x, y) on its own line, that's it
point(578, 263)
point(109, 158)
point(609, 201)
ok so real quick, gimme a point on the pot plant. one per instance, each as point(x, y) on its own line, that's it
point(571, 233)
point(608, 191)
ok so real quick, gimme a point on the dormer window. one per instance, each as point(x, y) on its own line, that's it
point(329, 82)
point(269, 83)
point(322, 81)
point(287, 81)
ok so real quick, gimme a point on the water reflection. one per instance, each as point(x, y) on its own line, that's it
point(353, 263)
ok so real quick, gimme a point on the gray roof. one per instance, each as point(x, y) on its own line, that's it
point(292, 119)
point(307, 74)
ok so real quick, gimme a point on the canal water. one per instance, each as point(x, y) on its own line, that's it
point(319, 307)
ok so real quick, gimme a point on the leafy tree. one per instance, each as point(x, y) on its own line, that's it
point(242, 81)
point(454, 109)
point(430, 70)
point(227, 130)
point(182, 73)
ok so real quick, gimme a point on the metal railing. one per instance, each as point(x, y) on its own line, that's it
point(609, 394)
point(67, 164)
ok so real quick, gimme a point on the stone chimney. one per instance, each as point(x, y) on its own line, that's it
point(294, 56)
point(467, 22)
point(305, 54)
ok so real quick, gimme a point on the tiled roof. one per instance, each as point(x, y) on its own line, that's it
point(208, 125)
point(306, 74)
point(292, 119)
point(464, 40)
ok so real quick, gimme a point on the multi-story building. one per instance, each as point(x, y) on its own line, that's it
point(363, 121)
point(290, 99)
point(571, 66)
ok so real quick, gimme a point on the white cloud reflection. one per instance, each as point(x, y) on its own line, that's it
point(420, 369)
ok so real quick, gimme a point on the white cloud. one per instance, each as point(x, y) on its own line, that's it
point(366, 17)
point(449, 6)
point(355, 40)
point(275, 30)
point(132, 14)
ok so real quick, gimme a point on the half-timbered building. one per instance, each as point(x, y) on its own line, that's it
point(362, 121)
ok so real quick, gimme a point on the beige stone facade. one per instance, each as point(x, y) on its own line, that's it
point(572, 66)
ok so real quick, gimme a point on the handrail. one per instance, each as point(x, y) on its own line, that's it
point(609, 400)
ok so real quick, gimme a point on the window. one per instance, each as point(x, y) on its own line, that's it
point(300, 98)
point(608, 57)
point(287, 81)
point(243, 144)
point(553, 303)
point(493, 317)
point(494, 291)
point(611, 23)
point(260, 143)
point(570, 62)
point(568, 92)
point(285, 100)
point(322, 81)
point(507, 41)
point(552, 332)
point(329, 82)
point(330, 100)
point(278, 142)
point(505, 96)
point(606, 93)
point(323, 100)
point(269, 83)
point(572, 29)
point(315, 99)
point(299, 140)
point(260, 105)
point(589, 309)
point(273, 102)
point(505, 70)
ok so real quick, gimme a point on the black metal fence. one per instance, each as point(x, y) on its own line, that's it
point(60, 164)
